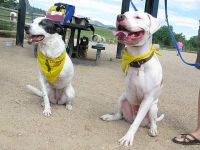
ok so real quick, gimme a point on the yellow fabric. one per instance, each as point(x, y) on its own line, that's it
point(51, 67)
point(128, 58)
point(53, 8)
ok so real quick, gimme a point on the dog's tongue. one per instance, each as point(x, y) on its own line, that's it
point(120, 33)
point(35, 38)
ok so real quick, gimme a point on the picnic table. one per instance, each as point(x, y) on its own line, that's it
point(70, 48)
point(75, 49)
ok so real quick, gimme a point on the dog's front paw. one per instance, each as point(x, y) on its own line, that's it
point(153, 130)
point(47, 112)
point(69, 107)
point(109, 117)
point(126, 140)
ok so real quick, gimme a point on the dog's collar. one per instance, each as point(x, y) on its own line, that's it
point(137, 61)
point(51, 67)
point(137, 64)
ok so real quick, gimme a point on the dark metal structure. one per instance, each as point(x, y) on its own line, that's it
point(21, 22)
point(120, 47)
point(198, 49)
point(151, 7)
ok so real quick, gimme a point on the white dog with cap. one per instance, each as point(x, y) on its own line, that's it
point(138, 104)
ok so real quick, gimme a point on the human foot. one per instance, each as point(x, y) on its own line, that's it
point(186, 139)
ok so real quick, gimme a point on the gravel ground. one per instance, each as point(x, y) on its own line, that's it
point(23, 126)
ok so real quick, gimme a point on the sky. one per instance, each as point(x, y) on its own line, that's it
point(183, 15)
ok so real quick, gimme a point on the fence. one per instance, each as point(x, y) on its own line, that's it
point(8, 23)
point(185, 49)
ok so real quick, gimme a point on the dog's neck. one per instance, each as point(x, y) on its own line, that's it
point(139, 50)
point(52, 48)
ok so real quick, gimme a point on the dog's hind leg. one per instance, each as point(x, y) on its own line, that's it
point(52, 95)
point(118, 115)
point(67, 97)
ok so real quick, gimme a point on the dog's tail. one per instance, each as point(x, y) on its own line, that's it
point(160, 118)
point(34, 90)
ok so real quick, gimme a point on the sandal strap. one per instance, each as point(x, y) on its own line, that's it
point(184, 136)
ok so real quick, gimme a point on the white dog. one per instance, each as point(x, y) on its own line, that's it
point(54, 65)
point(138, 105)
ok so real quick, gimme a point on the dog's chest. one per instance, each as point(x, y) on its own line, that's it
point(135, 80)
point(64, 78)
point(141, 81)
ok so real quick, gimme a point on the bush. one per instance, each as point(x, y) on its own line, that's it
point(5, 27)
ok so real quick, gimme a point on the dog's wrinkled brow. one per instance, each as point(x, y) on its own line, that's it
point(43, 22)
point(47, 25)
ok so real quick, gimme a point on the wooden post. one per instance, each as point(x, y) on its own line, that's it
point(12, 24)
point(13, 19)
point(21, 22)
point(120, 47)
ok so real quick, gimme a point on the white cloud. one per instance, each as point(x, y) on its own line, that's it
point(107, 11)
point(86, 4)
point(178, 20)
point(184, 21)
point(185, 5)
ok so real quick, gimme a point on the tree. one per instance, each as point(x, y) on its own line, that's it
point(180, 37)
point(163, 37)
point(8, 3)
point(192, 42)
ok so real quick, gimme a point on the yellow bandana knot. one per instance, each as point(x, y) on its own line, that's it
point(128, 58)
point(51, 67)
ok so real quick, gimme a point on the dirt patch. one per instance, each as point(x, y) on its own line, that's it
point(23, 126)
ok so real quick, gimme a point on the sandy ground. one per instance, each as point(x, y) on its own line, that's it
point(24, 127)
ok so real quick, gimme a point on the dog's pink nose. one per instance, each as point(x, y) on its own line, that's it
point(120, 17)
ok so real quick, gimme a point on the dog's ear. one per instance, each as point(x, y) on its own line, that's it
point(59, 29)
point(154, 24)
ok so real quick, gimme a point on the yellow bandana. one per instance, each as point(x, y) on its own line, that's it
point(128, 58)
point(51, 67)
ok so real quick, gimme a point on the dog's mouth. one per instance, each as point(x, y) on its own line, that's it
point(124, 34)
point(35, 38)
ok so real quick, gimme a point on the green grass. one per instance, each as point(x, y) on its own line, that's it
point(103, 32)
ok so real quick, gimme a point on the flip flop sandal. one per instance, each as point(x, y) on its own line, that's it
point(186, 140)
